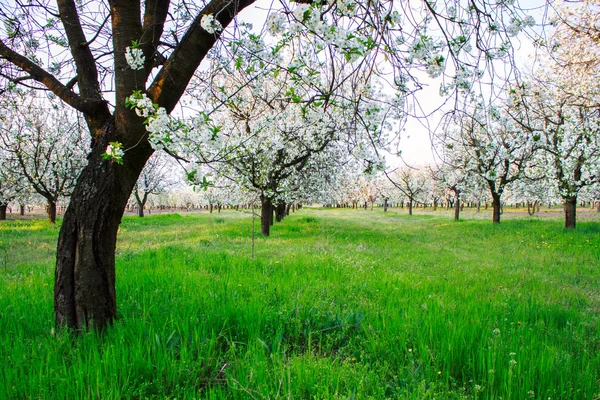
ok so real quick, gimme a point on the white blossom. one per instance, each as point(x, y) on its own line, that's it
point(135, 58)
point(210, 24)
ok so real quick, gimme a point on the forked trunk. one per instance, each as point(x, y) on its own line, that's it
point(84, 288)
point(3, 208)
point(571, 212)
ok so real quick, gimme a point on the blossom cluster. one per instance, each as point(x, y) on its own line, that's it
point(135, 58)
point(210, 24)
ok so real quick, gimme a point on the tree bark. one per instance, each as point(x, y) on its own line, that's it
point(51, 210)
point(570, 212)
point(84, 288)
point(3, 212)
point(496, 205)
point(410, 207)
point(385, 204)
point(457, 207)
point(266, 214)
point(21, 209)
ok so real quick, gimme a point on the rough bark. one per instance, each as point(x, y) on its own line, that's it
point(3, 208)
point(84, 290)
point(21, 209)
point(570, 212)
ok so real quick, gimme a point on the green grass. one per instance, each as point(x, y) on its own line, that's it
point(337, 304)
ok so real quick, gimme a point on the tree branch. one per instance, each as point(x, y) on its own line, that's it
point(173, 78)
point(86, 106)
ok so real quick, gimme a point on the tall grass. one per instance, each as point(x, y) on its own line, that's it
point(336, 304)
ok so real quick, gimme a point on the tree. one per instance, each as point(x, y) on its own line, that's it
point(561, 104)
point(156, 177)
point(486, 142)
point(95, 55)
point(411, 183)
point(47, 144)
point(11, 185)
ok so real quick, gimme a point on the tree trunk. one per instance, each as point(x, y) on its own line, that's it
point(496, 206)
point(280, 212)
point(570, 212)
point(457, 207)
point(21, 209)
point(84, 288)
point(3, 211)
point(287, 209)
point(410, 207)
point(266, 214)
point(51, 211)
point(385, 204)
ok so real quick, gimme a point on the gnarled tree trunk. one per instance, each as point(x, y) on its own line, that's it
point(84, 289)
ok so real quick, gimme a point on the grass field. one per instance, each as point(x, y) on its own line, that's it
point(337, 304)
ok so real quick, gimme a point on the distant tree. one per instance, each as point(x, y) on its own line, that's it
point(156, 177)
point(48, 145)
point(411, 183)
point(488, 144)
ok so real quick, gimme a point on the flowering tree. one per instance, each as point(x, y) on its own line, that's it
point(47, 144)
point(11, 185)
point(454, 177)
point(156, 177)
point(411, 183)
point(561, 104)
point(95, 55)
point(489, 145)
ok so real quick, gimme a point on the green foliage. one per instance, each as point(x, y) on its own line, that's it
point(336, 304)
